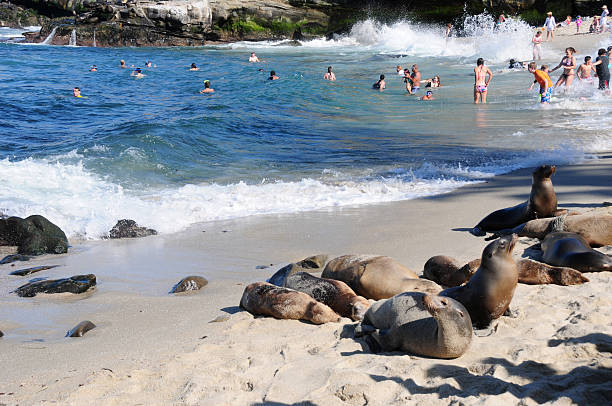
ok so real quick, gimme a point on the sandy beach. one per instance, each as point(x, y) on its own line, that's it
point(154, 348)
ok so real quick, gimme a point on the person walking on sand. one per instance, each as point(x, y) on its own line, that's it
point(537, 45)
point(541, 77)
point(578, 24)
point(569, 64)
point(481, 83)
point(550, 25)
point(329, 75)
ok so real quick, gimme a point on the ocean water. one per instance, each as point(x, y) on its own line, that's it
point(156, 151)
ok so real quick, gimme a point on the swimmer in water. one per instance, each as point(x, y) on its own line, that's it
point(399, 70)
point(408, 80)
point(138, 73)
point(273, 76)
point(428, 95)
point(194, 67)
point(541, 76)
point(148, 64)
point(585, 70)
point(433, 82)
point(253, 58)
point(123, 66)
point(329, 75)
point(481, 83)
point(207, 88)
point(76, 92)
point(380, 84)
point(93, 68)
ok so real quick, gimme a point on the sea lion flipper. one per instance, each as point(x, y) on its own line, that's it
point(478, 232)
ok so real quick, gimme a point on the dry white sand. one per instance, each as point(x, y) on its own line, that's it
point(151, 348)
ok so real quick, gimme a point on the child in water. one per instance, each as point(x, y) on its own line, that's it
point(76, 92)
point(541, 77)
point(428, 95)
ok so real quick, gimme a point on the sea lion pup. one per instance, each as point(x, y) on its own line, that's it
point(489, 292)
point(335, 294)
point(376, 277)
point(542, 203)
point(189, 284)
point(423, 324)
point(573, 251)
point(594, 225)
point(80, 329)
point(262, 298)
point(446, 271)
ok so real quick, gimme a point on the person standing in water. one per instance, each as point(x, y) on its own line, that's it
point(253, 58)
point(329, 75)
point(380, 84)
point(416, 79)
point(537, 45)
point(449, 30)
point(541, 77)
point(569, 64)
point(603, 21)
point(550, 24)
point(584, 71)
point(481, 83)
point(603, 70)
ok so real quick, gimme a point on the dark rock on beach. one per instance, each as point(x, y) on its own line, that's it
point(129, 229)
point(189, 283)
point(13, 257)
point(1, 334)
point(34, 235)
point(80, 329)
point(28, 271)
point(75, 284)
point(312, 264)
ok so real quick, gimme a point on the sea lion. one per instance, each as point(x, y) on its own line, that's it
point(418, 323)
point(80, 329)
point(573, 251)
point(376, 277)
point(489, 292)
point(262, 298)
point(189, 283)
point(542, 203)
point(595, 226)
point(335, 294)
point(445, 271)
point(75, 284)
point(311, 264)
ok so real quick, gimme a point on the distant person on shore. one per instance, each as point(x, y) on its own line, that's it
point(537, 45)
point(550, 25)
point(541, 76)
point(593, 26)
point(194, 67)
point(329, 75)
point(137, 73)
point(603, 70)
point(273, 76)
point(567, 21)
point(380, 84)
point(603, 22)
point(481, 83)
point(433, 82)
point(76, 92)
point(207, 88)
point(569, 64)
point(253, 58)
point(428, 95)
point(578, 24)
point(416, 79)
point(585, 70)
point(93, 68)
point(122, 62)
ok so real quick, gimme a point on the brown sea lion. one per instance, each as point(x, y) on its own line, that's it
point(189, 283)
point(446, 271)
point(418, 323)
point(489, 292)
point(376, 277)
point(595, 226)
point(573, 251)
point(336, 294)
point(311, 264)
point(262, 298)
point(80, 329)
point(542, 203)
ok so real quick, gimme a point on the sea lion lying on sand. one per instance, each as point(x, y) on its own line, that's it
point(573, 251)
point(376, 277)
point(80, 329)
point(542, 203)
point(262, 298)
point(418, 323)
point(335, 294)
point(489, 292)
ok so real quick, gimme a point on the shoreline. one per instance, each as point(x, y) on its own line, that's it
point(150, 339)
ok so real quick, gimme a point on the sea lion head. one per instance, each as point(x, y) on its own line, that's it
point(454, 324)
point(436, 305)
point(544, 172)
point(359, 307)
point(502, 248)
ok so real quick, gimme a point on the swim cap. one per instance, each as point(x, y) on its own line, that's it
point(207, 81)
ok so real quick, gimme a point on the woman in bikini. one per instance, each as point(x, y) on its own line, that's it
point(481, 82)
point(569, 64)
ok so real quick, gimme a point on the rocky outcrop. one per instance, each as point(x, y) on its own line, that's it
point(129, 229)
point(34, 235)
point(75, 284)
point(14, 16)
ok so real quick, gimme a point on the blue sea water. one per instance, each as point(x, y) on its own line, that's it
point(159, 152)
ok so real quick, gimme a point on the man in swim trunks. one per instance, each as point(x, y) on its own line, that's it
point(481, 82)
point(329, 75)
point(585, 70)
point(416, 79)
point(603, 70)
point(541, 77)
